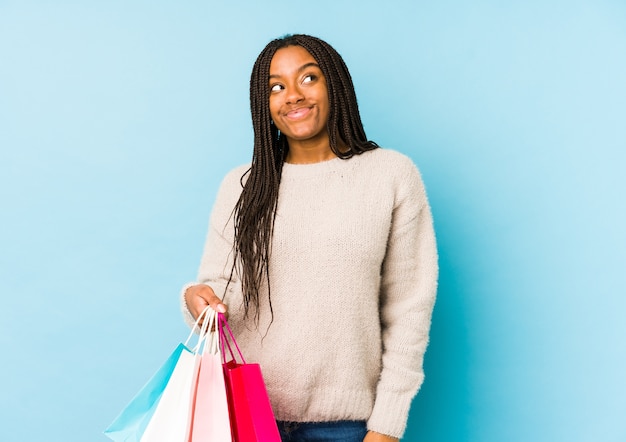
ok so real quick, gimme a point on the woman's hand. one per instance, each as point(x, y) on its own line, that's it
point(372, 436)
point(199, 296)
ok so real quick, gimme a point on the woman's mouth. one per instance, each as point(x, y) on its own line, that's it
point(298, 114)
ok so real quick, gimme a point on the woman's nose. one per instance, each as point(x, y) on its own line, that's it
point(294, 95)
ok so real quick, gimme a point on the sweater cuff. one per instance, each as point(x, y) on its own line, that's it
point(390, 414)
point(187, 317)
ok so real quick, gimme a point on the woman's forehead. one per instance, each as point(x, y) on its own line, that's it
point(289, 59)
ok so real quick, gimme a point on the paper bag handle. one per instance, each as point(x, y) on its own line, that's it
point(223, 328)
point(201, 329)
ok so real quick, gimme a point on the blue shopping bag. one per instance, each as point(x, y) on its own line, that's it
point(132, 421)
point(130, 425)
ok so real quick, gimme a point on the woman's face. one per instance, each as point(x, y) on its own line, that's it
point(298, 97)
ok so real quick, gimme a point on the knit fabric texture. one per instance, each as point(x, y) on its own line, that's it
point(353, 277)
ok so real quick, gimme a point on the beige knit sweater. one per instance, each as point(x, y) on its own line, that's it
point(353, 274)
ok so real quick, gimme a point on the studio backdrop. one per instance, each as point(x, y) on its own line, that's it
point(118, 120)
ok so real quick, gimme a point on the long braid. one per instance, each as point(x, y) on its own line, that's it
point(255, 212)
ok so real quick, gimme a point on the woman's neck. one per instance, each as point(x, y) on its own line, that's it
point(309, 157)
point(311, 151)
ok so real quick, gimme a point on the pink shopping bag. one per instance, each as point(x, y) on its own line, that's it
point(210, 417)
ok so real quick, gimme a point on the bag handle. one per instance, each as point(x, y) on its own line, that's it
point(211, 333)
point(201, 329)
point(223, 325)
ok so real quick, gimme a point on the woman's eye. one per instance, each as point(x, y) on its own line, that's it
point(309, 78)
point(276, 88)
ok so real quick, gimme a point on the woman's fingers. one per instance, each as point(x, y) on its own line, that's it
point(199, 296)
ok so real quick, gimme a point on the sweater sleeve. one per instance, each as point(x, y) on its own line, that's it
point(216, 264)
point(408, 291)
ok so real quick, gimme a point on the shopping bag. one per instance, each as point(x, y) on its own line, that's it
point(132, 422)
point(171, 420)
point(251, 415)
point(210, 420)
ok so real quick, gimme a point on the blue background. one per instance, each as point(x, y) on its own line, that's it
point(118, 120)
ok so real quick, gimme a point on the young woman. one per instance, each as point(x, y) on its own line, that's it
point(322, 251)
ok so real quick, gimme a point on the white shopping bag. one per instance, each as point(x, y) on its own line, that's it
point(172, 418)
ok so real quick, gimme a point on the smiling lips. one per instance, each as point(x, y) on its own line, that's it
point(298, 114)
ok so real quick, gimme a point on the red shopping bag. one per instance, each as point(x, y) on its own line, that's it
point(250, 411)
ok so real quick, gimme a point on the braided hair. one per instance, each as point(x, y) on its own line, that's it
point(255, 211)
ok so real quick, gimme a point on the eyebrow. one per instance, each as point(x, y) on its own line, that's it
point(300, 69)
